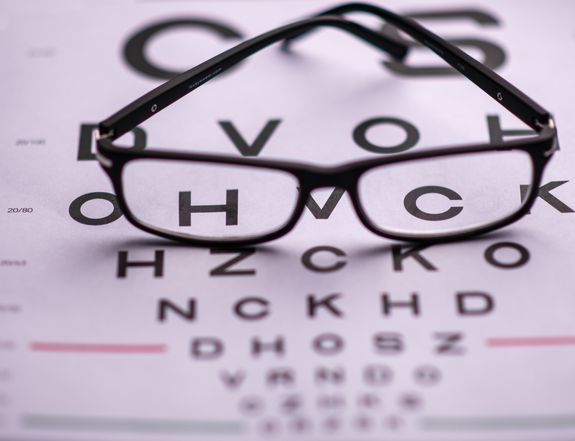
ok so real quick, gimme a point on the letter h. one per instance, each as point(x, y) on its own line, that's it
point(230, 208)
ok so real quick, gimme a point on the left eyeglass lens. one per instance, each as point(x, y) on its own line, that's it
point(207, 200)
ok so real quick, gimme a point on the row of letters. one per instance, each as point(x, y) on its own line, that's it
point(326, 259)
point(258, 308)
point(385, 343)
point(493, 55)
point(373, 374)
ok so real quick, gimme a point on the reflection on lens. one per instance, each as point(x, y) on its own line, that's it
point(445, 195)
point(209, 201)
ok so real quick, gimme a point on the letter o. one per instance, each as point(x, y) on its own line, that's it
point(75, 209)
point(328, 344)
point(522, 259)
point(360, 135)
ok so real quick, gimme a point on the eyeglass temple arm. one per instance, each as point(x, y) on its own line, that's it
point(494, 85)
point(159, 98)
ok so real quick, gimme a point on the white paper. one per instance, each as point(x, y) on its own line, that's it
point(84, 351)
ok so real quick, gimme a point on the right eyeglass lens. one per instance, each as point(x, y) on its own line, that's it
point(445, 195)
point(210, 201)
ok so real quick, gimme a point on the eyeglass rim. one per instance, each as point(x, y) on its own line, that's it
point(310, 177)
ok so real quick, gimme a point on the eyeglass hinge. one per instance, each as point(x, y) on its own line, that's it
point(108, 134)
point(105, 162)
point(550, 124)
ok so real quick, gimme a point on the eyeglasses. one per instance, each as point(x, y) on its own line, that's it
point(433, 195)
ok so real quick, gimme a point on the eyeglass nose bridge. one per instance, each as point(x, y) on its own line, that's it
point(329, 177)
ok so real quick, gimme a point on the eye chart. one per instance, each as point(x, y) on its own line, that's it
point(329, 333)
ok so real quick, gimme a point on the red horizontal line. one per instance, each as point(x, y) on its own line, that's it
point(98, 347)
point(532, 341)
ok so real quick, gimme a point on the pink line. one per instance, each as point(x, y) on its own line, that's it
point(531, 341)
point(98, 347)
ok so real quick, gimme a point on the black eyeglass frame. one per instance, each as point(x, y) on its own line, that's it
point(540, 148)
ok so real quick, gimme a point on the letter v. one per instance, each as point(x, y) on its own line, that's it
point(255, 147)
point(325, 211)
